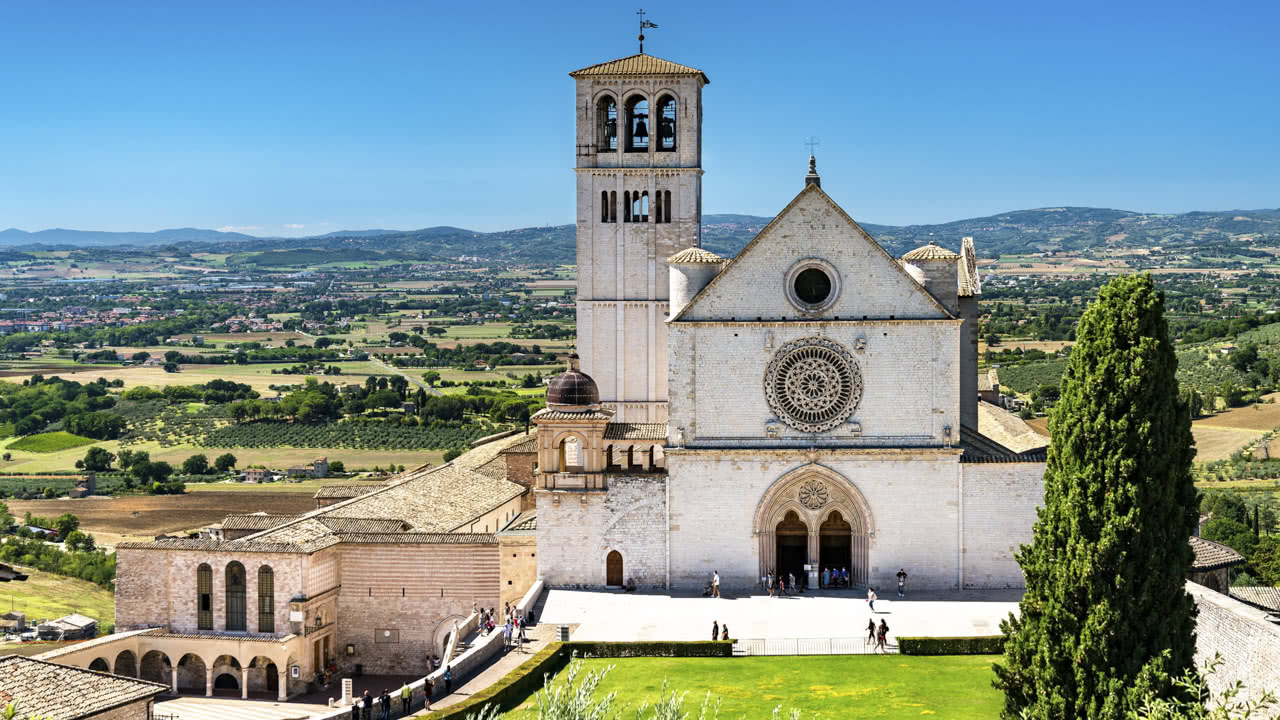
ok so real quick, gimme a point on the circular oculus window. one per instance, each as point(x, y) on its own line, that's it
point(812, 285)
point(813, 384)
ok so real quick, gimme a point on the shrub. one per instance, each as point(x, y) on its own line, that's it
point(663, 648)
point(977, 645)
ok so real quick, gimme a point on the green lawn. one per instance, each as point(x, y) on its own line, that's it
point(842, 686)
point(45, 596)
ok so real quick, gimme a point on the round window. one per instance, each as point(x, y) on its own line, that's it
point(812, 286)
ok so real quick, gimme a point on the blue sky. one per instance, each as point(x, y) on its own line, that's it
point(301, 118)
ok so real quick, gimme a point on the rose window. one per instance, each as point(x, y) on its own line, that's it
point(813, 384)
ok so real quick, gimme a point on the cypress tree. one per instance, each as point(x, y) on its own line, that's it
point(1105, 616)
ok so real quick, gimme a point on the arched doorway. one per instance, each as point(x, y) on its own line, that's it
point(155, 667)
point(226, 681)
point(100, 665)
point(126, 664)
point(613, 569)
point(792, 552)
point(273, 678)
point(835, 544)
point(814, 515)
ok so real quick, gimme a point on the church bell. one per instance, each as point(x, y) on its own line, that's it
point(642, 131)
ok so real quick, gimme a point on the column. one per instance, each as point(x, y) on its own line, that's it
point(284, 685)
point(173, 673)
point(244, 683)
point(814, 556)
point(208, 682)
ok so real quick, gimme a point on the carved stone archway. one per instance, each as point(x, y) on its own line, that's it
point(813, 492)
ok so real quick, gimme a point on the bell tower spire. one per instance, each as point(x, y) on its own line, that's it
point(639, 191)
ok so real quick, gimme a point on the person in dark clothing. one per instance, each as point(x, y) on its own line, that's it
point(366, 705)
point(871, 630)
point(355, 709)
point(724, 632)
point(384, 702)
point(715, 629)
point(448, 681)
point(883, 633)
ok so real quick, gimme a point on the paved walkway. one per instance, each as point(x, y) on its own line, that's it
point(202, 708)
point(538, 638)
point(841, 614)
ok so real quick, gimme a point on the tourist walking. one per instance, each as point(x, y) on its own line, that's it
point(826, 577)
point(715, 629)
point(883, 632)
point(871, 599)
point(366, 705)
point(902, 582)
point(385, 703)
point(715, 584)
point(355, 709)
point(871, 630)
point(448, 681)
point(791, 581)
point(724, 632)
point(770, 585)
point(406, 696)
point(428, 689)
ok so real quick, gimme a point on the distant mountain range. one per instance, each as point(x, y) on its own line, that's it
point(1021, 231)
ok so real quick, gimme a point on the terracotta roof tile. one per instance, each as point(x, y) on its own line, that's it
point(527, 445)
point(549, 414)
point(344, 491)
point(980, 448)
point(931, 251)
point(255, 521)
point(525, 522)
point(695, 256)
point(635, 431)
point(1212, 556)
point(1260, 596)
point(61, 692)
point(639, 65)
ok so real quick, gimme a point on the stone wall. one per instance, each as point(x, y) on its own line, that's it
point(158, 587)
point(409, 591)
point(580, 529)
point(1247, 641)
point(518, 566)
point(1000, 501)
point(140, 710)
point(910, 376)
point(913, 498)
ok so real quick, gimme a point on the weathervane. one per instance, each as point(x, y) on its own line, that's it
point(644, 25)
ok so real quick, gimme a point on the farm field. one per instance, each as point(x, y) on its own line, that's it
point(258, 376)
point(1049, 346)
point(276, 338)
point(841, 686)
point(278, 457)
point(1261, 417)
point(1216, 443)
point(142, 517)
point(45, 596)
point(49, 442)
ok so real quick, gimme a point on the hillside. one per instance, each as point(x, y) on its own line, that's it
point(1223, 234)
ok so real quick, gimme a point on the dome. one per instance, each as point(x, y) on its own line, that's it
point(694, 256)
point(932, 251)
point(573, 387)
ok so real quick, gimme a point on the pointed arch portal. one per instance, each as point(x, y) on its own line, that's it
point(814, 516)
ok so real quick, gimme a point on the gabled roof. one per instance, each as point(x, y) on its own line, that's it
point(635, 431)
point(891, 263)
point(640, 64)
point(979, 448)
point(61, 692)
point(1260, 596)
point(1212, 556)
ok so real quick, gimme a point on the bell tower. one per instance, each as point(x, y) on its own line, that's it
point(639, 185)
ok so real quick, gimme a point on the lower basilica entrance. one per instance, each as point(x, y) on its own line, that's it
point(814, 516)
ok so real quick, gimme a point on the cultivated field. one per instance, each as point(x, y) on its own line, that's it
point(142, 517)
point(258, 376)
point(1215, 443)
point(279, 457)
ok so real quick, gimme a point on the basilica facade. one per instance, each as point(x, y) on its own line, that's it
point(810, 403)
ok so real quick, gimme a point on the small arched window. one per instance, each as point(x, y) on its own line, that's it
point(626, 206)
point(666, 123)
point(235, 597)
point(604, 206)
point(266, 600)
point(204, 597)
point(657, 206)
point(644, 207)
point(666, 206)
point(637, 124)
point(607, 117)
point(613, 206)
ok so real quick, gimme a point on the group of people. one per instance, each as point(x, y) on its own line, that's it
point(876, 634)
point(718, 631)
point(362, 709)
point(779, 584)
point(835, 577)
point(513, 625)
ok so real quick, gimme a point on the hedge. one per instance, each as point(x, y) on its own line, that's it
point(527, 679)
point(977, 645)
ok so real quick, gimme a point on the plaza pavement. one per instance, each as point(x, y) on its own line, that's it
point(615, 615)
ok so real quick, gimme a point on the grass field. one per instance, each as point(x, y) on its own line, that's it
point(1216, 443)
point(842, 686)
point(45, 596)
point(49, 442)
